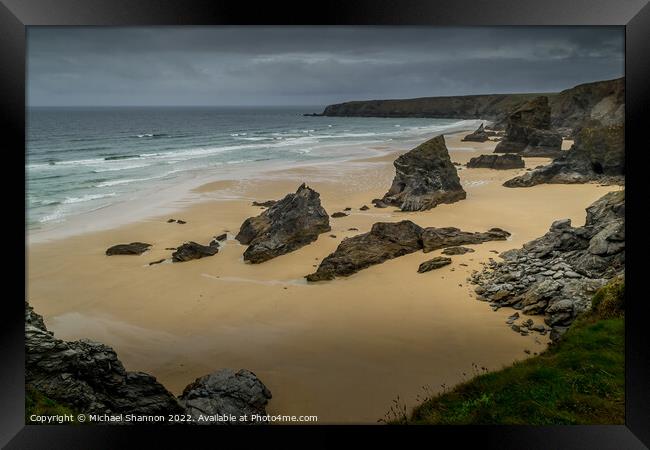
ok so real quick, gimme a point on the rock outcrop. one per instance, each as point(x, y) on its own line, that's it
point(498, 162)
point(557, 274)
point(88, 377)
point(134, 248)
point(287, 225)
point(384, 241)
point(434, 263)
point(226, 392)
point(528, 130)
point(436, 238)
point(387, 240)
point(479, 135)
point(424, 178)
point(597, 155)
point(191, 250)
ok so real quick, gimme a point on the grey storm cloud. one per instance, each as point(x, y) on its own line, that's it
point(309, 65)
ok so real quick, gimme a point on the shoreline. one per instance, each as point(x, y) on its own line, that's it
point(169, 198)
point(341, 350)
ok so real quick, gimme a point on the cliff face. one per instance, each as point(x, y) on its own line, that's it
point(602, 100)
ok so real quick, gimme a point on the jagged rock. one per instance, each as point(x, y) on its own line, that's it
point(266, 204)
point(89, 377)
point(424, 178)
point(480, 135)
point(288, 225)
point(528, 130)
point(437, 238)
point(558, 273)
point(597, 155)
point(499, 162)
point(457, 250)
point(134, 248)
point(384, 241)
point(226, 392)
point(435, 263)
point(191, 250)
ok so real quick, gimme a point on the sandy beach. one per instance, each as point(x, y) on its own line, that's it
point(341, 350)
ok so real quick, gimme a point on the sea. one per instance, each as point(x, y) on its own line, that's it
point(80, 160)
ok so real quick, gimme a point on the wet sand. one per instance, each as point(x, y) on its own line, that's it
point(341, 350)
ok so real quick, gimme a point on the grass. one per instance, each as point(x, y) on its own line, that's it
point(40, 405)
point(579, 380)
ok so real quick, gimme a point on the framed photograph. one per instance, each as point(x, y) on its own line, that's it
point(263, 222)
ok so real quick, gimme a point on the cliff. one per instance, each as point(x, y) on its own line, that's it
point(602, 100)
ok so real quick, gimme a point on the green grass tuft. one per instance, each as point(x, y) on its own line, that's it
point(40, 405)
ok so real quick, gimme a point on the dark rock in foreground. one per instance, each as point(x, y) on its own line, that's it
point(384, 241)
point(424, 178)
point(191, 250)
point(226, 392)
point(499, 162)
point(597, 155)
point(457, 250)
point(134, 248)
point(291, 223)
point(435, 263)
point(480, 135)
point(437, 238)
point(557, 274)
point(528, 130)
point(89, 377)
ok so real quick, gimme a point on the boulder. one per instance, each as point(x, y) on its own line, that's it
point(134, 248)
point(437, 238)
point(435, 263)
point(499, 162)
point(226, 392)
point(384, 241)
point(480, 135)
point(291, 223)
point(191, 250)
point(424, 178)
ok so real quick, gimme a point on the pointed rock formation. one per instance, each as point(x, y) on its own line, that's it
point(287, 225)
point(480, 135)
point(424, 178)
point(528, 131)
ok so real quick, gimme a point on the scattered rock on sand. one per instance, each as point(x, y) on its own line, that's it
point(498, 162)
point(221, 237)
point(435, 263)
point(266, 204)
point(364, 208)
point(182, 222)
point(379, 203)
point(157, 262)
point(424, 178)
point(191, 250)
point(384, 241)
point(289, 224)
point(339, 214)
point(171, 220)
point(134, 248)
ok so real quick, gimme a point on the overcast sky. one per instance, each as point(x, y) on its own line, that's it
point(309, 65)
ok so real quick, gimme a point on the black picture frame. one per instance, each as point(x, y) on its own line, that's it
point(634, 15)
